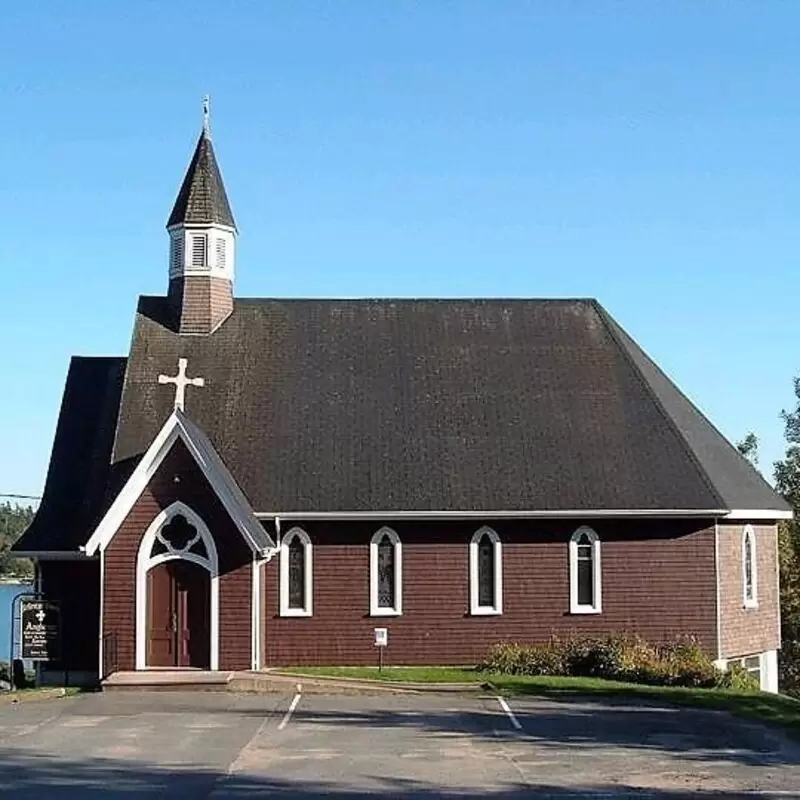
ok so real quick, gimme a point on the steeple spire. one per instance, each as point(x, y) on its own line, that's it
point(203, 238)
point(202, 199)
point(206, 117)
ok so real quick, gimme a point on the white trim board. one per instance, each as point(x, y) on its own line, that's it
point(721, 513)
point(178, 426)
point(533, 513)
point(52, 555)
point(743, 514)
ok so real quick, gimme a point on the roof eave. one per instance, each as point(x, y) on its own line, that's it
point(707, 513)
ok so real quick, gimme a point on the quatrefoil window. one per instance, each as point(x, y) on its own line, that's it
point(178, 536)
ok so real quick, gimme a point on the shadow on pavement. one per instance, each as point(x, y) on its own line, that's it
point(40, 778)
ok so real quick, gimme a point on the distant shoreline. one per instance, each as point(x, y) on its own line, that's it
point(15, 582)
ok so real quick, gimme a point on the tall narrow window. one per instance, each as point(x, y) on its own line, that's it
point(749, 570)
point(585, 572)
point(199, 246)
point(386, 574)
point(485, 573)
point(296, 574)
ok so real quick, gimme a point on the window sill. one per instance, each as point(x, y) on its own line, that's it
point(385, 612)
point(295, 612)
point(585, 610)
point(485, 611)
point(750, 605)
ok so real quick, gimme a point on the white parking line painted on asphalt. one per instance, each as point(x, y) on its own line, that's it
point(514, 721)
point(292, 707)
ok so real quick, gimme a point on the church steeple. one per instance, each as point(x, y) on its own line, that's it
point(202, 243)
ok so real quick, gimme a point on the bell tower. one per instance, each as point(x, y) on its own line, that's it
point(202, 254)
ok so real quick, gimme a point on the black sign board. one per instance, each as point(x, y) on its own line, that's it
point(40, 630)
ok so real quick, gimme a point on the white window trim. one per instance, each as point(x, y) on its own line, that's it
point(374, 609)
point(574, 606)
point(752, 601)
point(308, 550)
point(145, 562)
point(475, 608)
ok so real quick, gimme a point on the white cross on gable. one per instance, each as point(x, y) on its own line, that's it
point(181, 382)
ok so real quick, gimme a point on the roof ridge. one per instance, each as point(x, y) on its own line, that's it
point(609, 323)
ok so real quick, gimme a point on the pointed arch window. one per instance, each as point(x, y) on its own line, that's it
point(485, 573)
point(749, 568)
point(385, 574)
point(296, 574)
point(585, 576)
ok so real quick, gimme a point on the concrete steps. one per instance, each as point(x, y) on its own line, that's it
point(168, 680)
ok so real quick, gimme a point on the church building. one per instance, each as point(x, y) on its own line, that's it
point(263, 482)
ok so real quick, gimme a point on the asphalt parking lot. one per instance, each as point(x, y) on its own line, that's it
point(220, 745)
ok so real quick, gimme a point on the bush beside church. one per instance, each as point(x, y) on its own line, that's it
point(622, 657)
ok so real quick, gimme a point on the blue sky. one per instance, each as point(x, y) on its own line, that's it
point(643, 153)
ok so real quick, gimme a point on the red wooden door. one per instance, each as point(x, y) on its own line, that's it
point(192, 592)
point(161, 649)
point(179, 615)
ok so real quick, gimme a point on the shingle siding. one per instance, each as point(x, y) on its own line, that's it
point(658, 581)
point(200, 303)
point(745, 631)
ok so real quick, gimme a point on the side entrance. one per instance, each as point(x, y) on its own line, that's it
point(179, 615)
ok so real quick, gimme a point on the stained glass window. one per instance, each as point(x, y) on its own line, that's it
point(749, 591)
point(386, 570)
point(297, 573)
point(585, 571)
point(486, 587)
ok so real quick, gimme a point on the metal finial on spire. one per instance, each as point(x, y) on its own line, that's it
point(206, 115)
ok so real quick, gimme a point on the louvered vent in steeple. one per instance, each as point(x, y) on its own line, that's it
point(203, 243)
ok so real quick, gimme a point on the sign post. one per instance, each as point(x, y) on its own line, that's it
point(381, 641)
point(40, 630)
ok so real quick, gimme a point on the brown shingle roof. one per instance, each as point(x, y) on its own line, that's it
point(463, 405)
point(202, 198)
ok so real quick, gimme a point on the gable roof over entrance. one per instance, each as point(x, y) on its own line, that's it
point(179, 426)
point(438, 405)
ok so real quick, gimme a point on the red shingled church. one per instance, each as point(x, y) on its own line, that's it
point(263, 482)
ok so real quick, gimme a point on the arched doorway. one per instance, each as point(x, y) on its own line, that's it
point(177, 595)
point(178, 615)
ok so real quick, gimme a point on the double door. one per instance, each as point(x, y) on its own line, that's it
point(178, 594)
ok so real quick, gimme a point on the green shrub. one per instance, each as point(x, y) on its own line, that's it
point(687, 664)
point(516, 659)
point(622, 657)
point(738, 679)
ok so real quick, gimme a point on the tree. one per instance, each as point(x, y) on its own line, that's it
point(787, 483)
point(13, 521)
point(748, 447)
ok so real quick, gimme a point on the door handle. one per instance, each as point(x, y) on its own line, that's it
point(174, 622)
